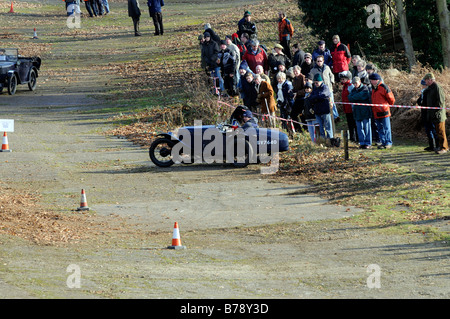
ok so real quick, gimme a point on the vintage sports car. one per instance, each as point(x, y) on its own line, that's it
point(225, 142)
point(15, 70)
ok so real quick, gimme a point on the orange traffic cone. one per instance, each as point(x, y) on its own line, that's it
point(12, 8)
point(83, 204)
point(35, 34)
point(176, 241)
point(5, 145)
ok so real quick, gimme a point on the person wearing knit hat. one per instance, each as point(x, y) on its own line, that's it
point(382, 99)
point(245, 25)
point(435, 97)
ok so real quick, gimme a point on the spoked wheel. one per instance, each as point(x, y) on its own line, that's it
point(161, 152)
point(33, 80)
point(242, 153)
point(12, 84)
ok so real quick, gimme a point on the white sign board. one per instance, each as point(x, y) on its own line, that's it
point(6, 125)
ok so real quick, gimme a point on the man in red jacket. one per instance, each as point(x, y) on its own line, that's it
point(256, 56)
point(341, 57)
point(382, 98)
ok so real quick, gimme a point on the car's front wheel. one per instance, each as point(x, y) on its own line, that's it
point(161, 152)
point(12, 84)
point(33, 80)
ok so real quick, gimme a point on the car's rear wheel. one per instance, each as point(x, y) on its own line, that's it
point(33, 80)
point(242, 153)
point(161, 152)
point(12, 84)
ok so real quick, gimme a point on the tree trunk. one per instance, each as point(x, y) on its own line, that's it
point(445, 30)
point(405, 33)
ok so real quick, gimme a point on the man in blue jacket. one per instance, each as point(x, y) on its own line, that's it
point(154, 8)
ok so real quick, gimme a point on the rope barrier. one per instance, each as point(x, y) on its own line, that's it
point(399, 106)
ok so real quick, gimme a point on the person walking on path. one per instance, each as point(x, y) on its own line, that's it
point(134, 12)
point(155, 11)
point(435, 97)
point(285, 33)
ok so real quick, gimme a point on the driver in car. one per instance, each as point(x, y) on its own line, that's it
point(2, 55)
point(249, 120)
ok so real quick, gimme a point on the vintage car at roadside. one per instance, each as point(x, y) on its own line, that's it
point(16, 69)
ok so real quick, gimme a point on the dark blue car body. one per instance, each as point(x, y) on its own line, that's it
point(221, 143)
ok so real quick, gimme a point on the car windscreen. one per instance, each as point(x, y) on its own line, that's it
point(8, 55)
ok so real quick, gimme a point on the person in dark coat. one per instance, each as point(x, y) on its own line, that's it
point(227, 65)
point(210, 51)
point(212, 33)
point(134, 12)
point(250, 97)
point(249, 120)
point(299, 55)
point(155, 11)
point(245, 25)
point(430, 129)
point(320, 100)
point(436, 98)
point(307, 65)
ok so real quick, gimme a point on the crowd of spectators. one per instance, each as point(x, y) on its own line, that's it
point(299, 87)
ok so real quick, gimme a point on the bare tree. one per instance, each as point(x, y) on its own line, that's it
point(445, 30)
point(405, 33)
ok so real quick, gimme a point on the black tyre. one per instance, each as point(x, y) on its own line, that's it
point(161, 152)
point(33, 80)
point(12, 84)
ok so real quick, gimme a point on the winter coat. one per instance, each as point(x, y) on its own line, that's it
point(266, 98)
point(213, 35)
point(360, 95)
point(247, 27)
point(307, 107)
point(306, 68)
point(285, 29)
point(288, 95)
point(133, 9)
point(325, 71)
point(299, 86)
point(227, 62)
point(435, 97)
point(345, 92)
point(256, 58)
point(274, 61)
point(341, 57)
point(249, 94)
point(299, 58)
point(155, 5)
point(327, 59)
point(320, 99)
point(252, 123)
point(381, 94)
point(210, 51)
